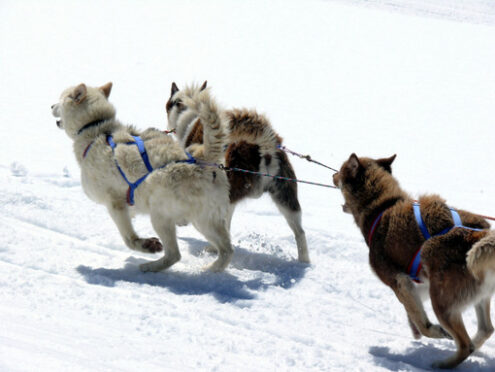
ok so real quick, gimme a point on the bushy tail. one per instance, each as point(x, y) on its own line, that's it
point(253, 128)
point(481, 257)
point(215, 128)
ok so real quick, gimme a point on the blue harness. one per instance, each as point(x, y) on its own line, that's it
point(415, 265)
point(144, 155)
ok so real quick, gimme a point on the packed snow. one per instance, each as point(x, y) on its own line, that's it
point(374, 77)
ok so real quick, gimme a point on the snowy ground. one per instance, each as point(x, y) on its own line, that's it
point(377, 77)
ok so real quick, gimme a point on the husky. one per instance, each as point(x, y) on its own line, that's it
point(423, 246)
point(131, 171)
point(253, 145)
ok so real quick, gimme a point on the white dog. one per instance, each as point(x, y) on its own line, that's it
point(130, 172)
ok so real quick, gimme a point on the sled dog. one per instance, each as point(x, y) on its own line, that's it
point(131, 171)
point(253, 145)
point(424, 245)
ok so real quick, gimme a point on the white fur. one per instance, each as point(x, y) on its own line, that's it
point(174, 194)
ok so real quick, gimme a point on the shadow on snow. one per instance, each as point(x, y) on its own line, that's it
point(421, 356)
point(225, 287)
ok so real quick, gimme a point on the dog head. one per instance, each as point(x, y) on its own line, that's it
point(364, 180)
point(81, 105)
point(175, 105)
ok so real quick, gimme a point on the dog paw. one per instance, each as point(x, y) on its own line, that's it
point(146, 267)
point(445, 334)
point(437, 331)
point(210, 249)
point(160, 264)
point(439, 365)
point(152, 245)
point(152, 267)
point(218, 266)
point(447, 363)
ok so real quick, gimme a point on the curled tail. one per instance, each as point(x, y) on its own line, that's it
point(213, 125)
point(481, 257)
point(253, 128)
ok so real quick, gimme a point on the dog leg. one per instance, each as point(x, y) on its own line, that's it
point(452, 322)
point(485, 327)
point(217, 235)
point(416, 333)
point(230, 214)
point(167, 232)
point(228, 222)
point(288, 205)
point(121, 217)
point(409, 297)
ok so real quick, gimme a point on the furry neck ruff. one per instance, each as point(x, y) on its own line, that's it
point(92, 124)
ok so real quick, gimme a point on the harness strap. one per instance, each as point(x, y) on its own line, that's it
point(85, 152)
point(419, 220)
point(144, 155)
point(457, 219)
point(373, 228)
point(142, 150)
point(415, 266)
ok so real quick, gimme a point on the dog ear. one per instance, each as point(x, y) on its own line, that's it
point(174, 89)
point(106, 89)
point(353, 165)
point(79, 94)
point(386, 163)
point(203, 87)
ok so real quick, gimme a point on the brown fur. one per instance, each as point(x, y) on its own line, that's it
point(369, 189)
point(242, 155)
point(246, 127)
point(246, 124)
point(196, 134)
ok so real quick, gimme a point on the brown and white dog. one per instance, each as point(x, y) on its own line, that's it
point(457, 258)
point(252, 144)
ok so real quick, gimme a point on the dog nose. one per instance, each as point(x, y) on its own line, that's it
point(52, 106)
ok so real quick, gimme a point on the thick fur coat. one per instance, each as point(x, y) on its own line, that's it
point(173, 192)
point(252, 144)
point(458, 267)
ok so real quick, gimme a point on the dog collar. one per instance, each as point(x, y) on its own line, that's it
point(94, 123)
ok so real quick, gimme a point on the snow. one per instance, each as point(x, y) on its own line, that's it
point(374, 77)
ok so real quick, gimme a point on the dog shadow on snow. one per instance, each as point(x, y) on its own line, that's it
point(420, 357)
point(225, 287)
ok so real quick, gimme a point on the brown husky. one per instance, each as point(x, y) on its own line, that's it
point(252, 144)
point(451, 253)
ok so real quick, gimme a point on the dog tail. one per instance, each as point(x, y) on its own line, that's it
point(213, 123)
point(481, 257)
point(253, 128)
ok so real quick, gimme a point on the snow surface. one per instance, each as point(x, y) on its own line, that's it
point(377, 77)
